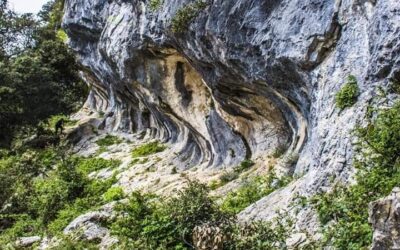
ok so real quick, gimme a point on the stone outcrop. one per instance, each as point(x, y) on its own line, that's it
point(384, 215)
point(244, 78)
point(28, 241)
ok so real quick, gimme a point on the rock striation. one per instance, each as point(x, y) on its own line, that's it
point(241, 79)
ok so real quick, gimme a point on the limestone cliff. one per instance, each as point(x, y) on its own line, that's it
point(239, 79)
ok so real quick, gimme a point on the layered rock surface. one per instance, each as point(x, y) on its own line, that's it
point(246, 77)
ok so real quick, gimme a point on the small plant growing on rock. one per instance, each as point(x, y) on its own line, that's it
point(252, 190)
point(94, 164)
point(174, 170)
point(155, 4)
point(228, 176)
point(185, 15)
point(113, 194)
point(347, 96)
point(244, 165)
point(109, 140)
point(148, 149)
point(279, 151)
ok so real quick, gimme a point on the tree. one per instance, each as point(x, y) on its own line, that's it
point(39, 76)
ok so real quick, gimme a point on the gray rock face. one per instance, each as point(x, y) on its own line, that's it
point(88, 227)
point(384, 215)
point(27, 241)
point(245, 77)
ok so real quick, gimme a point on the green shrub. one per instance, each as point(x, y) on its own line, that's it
point(50, 196)
point(215, 184)
point(150, 223)
point(395, 86)
point(22, 227)
point(88, 165)
point(244, 165)
point(108, 141)
point(348, 94)
point(148, 149)
point(66, 216)
point(113, 194)
point(251, 191)
point(231, 175)
point(155, 4)
point(378, 161)
point(262, 235)
point(49, 199)
point(185, 15)
point(228, 176)
point(279, 151)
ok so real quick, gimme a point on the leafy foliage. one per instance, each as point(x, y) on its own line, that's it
point(251, 191)
point(259, 235)
point(155, 4)
point(113, 194)
point(148, 149)
point(185, 15)
point(229, 176)
point(151, 223)
point(348, 95)
point(88, 165)
point(38, 73)
point(108, 141)
point(378, 162)
point(44, 191)
point(279, 151)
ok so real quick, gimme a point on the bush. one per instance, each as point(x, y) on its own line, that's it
point(377, 161)
point(228, 176)
point(244, 165)
point(108, 141)
point(113, 194)
point(348, 95)
point(251, 191)
point(262, 235)
point(155, 4)
point(149, 223)
point(148, 149)
point(49, 199)
point(89, 165)
point(279, 151)
point(185, 15)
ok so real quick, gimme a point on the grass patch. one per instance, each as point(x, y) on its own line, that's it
point(348, 94)
point(184, 16)
point(89, 165)
point(108, 141)
point(148, 149)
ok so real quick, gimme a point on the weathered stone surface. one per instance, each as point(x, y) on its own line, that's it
point(384, 215)
point(27, 241)
point(246, 76)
